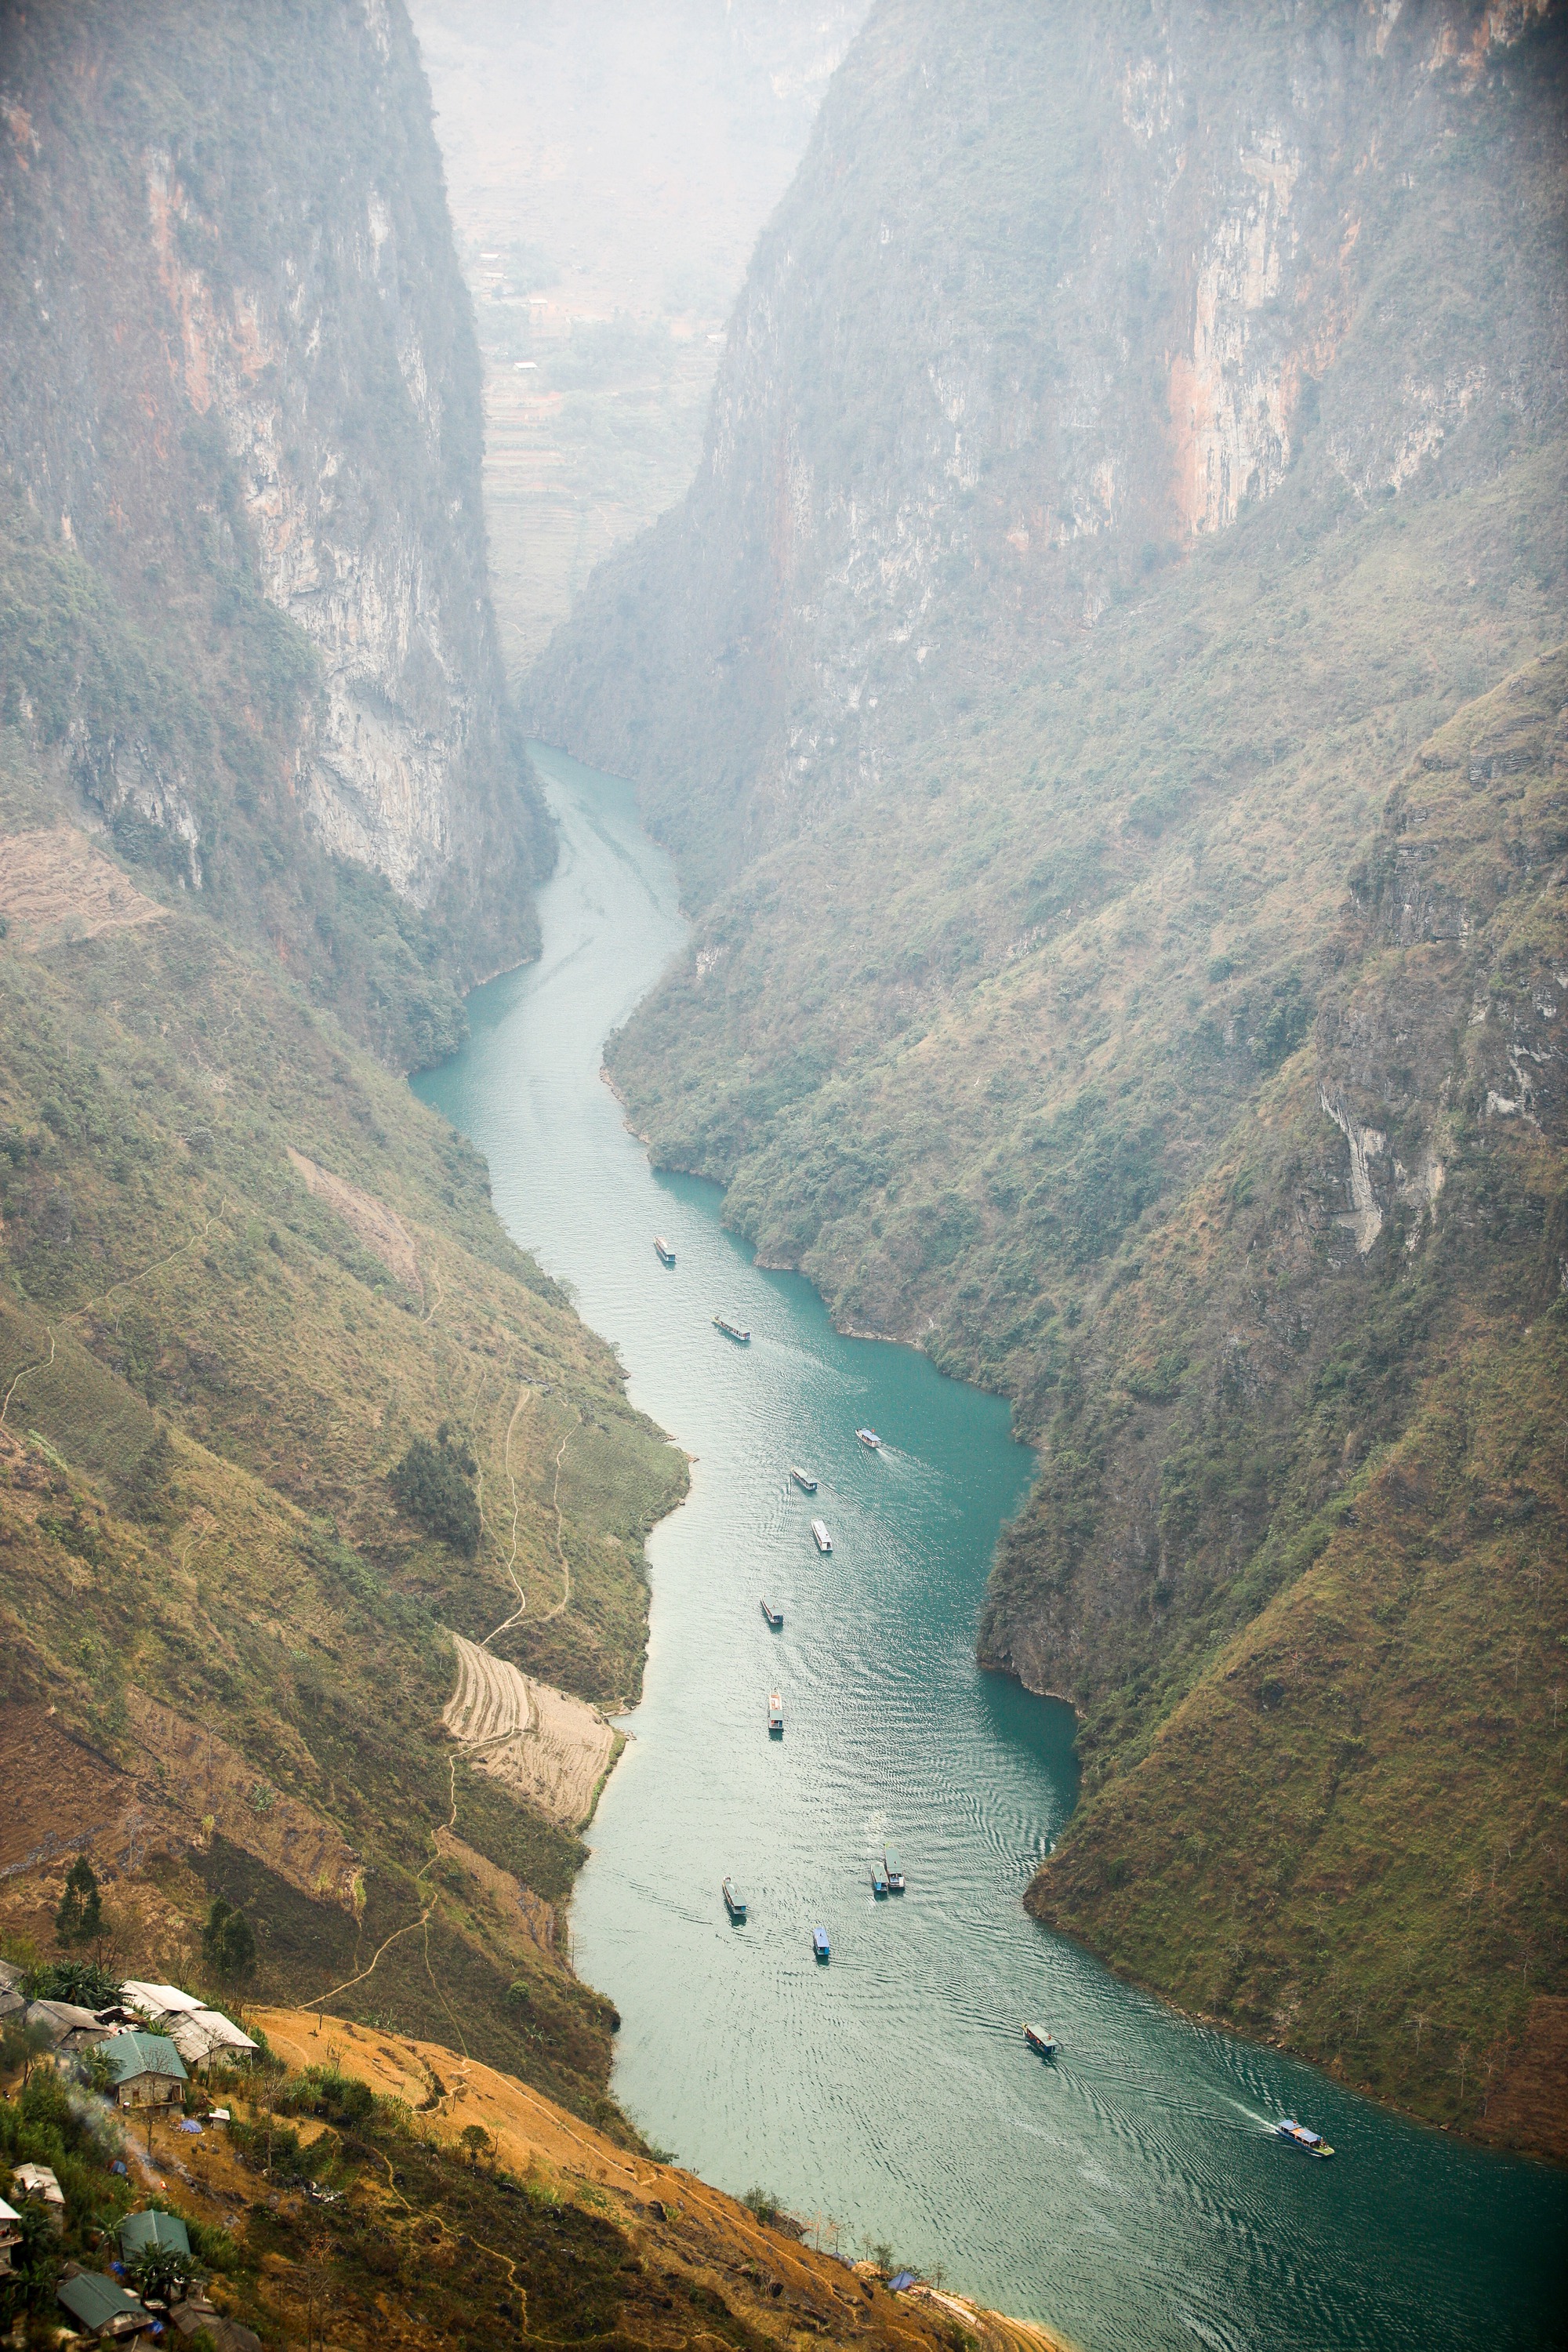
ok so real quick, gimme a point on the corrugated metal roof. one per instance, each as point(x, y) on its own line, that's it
point(158, 2000)
point(166, 2230)
point(96, 2300)
point(133, 2052)
point(203, 2030)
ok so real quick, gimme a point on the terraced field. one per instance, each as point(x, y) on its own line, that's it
point(552, 1749)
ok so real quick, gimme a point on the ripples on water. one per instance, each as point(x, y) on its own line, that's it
point(1131, 2193)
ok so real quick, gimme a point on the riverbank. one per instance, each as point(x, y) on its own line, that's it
point(1134, 2190)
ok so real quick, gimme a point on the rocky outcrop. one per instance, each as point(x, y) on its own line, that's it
point(243, 390)
point(1057, 298)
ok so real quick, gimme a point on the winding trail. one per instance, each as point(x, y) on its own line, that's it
point(42, 1365)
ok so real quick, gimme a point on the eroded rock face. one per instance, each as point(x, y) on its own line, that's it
point(1056, 298)
point(245, 368)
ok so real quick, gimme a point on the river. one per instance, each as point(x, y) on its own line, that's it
point(1130, 2194)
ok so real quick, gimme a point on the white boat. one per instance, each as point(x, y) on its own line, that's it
point(870, 1440)
point(775, 1715)
point(820, 1536)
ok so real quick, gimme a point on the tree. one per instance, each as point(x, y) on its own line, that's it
point(228, 1944)
point(23, 2045)
point(160, 2274)
point(434, 1486)
point(79, 1919)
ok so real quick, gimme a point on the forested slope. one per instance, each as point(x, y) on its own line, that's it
point(1137, 475)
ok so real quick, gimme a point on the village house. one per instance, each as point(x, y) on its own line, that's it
point(164, 2231)
point(203, 2037)
point(145, 2070)
point(100, 2306)
point(36, 2183)
point(68, 2028)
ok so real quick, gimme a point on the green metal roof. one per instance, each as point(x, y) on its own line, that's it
point(133, 2054)
point(96, 2300)
point(139, 2230)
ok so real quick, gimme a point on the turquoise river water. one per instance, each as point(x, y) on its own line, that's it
point(1132, 2194)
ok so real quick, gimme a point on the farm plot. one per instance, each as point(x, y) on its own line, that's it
point(552, 1749)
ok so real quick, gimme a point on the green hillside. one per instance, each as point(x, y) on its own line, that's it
point(209, 1372)
point(1101, 978)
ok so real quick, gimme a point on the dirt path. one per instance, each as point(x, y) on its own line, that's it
point(551, 1748)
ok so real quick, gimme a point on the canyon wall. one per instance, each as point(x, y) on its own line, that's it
point(243, 393)
point(1053, 300)
point(1104, 694)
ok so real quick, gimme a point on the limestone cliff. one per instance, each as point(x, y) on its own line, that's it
point(243, 388)
point(1056, 298)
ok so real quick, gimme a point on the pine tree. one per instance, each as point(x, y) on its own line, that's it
point(79, 1919)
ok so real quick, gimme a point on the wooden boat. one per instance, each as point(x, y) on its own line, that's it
point(870, 1440)
point(820, 1536)
point(895, 1875)
point(774, 1616)
point(821, 1948)
point(775, 1716)
point(666, 1253)
point(803, 1479)
point(731, 1330)
point(878, 1880)
point(1040, 2039)
point(734, 1902)
point(1310, 2143)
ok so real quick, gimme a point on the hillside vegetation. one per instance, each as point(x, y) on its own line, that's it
point(1105, 694)
point(283, 1413)
point(210, 1372)
point(449, 2205)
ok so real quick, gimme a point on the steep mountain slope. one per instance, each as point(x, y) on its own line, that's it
point(242, 1272)
point(242, 387)
point(282, 1411)
point(1055, 297)
point(1139, 441)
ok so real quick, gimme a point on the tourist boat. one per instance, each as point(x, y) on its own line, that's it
point(803, 1479)
point(1039, 2039)
point(774, 1616)
point(731, 1330)
point(734, 1902)
point(870, 1440)
point(775, 1715)
point(1313, 2142)
point(895, 1875)
point(666, 1253)
point(820, 1946)
point(820, 1536)
point(878, 1880)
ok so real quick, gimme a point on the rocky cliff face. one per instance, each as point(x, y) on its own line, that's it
point(1055, 298)
point(242, 391)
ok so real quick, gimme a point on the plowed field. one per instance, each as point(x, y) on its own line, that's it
point(551, 1748)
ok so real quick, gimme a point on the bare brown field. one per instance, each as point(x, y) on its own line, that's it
point(54, 886)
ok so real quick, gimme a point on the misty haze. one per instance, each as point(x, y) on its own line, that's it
point(783, 1174)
